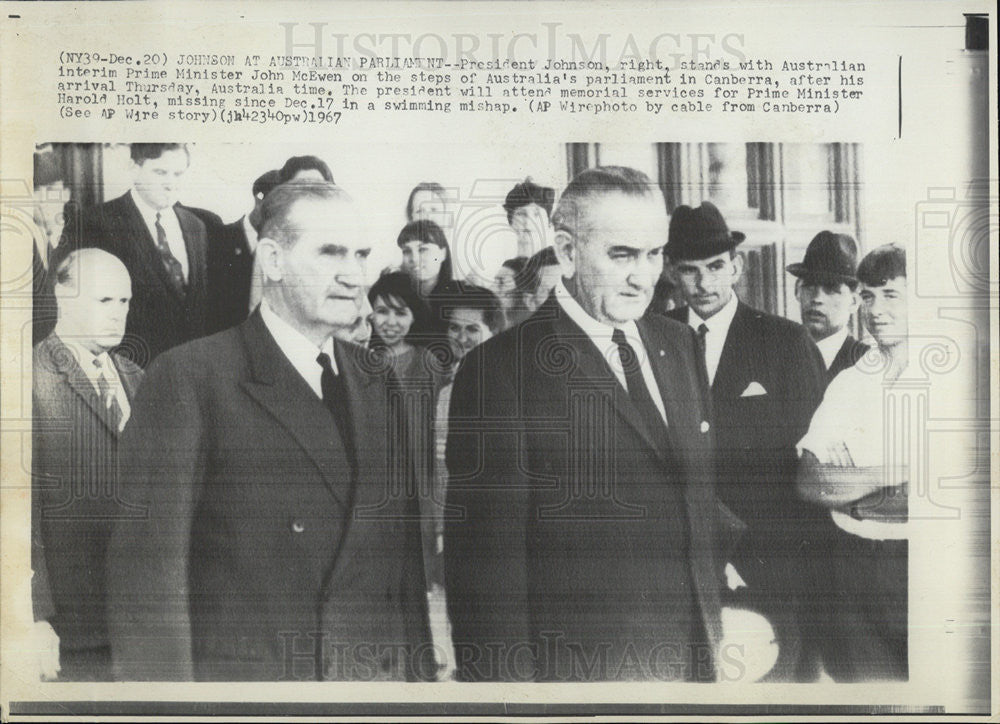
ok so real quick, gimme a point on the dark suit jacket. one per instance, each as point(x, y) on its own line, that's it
point(76, 495)
point(230, 273)
point(160, 317)
point(264, 557)
point(756, 435)
point(577, 545)
point(847, 356)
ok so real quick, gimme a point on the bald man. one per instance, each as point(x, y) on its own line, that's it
point(281, 542)
point(81, 400)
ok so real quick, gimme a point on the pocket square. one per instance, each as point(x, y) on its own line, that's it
point(754, 389)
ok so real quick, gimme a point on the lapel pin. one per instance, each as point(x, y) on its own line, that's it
point(704, 425)
point(662, 353)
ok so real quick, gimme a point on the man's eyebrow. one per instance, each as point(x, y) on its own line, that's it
point(333, 249)
point(623, 249)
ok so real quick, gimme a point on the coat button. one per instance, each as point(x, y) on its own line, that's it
point(704, 425)
point(298, 526)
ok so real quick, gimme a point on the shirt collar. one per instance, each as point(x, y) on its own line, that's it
point(718, 323)
point(299, 350)
point(599, 332)
point(85, 358)
point(830, 346)
point(147, 211)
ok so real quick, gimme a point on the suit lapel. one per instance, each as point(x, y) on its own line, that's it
point(592, 366)
point(64, 360)
point(847, 356)
point(196, 252)
point(277, 386)
point(675, 380)
point(368, 417)
point(147, 248)
point(130, 379)
point(737, 354)
point(669, 372)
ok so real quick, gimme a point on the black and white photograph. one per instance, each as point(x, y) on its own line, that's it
point(410, 423)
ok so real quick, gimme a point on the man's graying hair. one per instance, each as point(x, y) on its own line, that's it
point(599, 181)
point(277, 206)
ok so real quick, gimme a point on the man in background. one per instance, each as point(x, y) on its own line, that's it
point(529, 208)
point(854, 467)
point(826, 289)
point(162, 244)
point(235, 279)
point(305, 168)
point(766, 379)
point(50, 195)
point(81, 400)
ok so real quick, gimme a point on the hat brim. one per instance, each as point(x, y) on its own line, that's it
point(706, 249)
point(802, 272)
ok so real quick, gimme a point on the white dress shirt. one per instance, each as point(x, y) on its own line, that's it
point(301, 352)
point(853, 415)
point(831, 345)
point(94, 366)
point(600, 334)
point(171, 227)
point(718, 329)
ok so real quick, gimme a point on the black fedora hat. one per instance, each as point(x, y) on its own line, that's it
point(829, 258)
point(699, 233)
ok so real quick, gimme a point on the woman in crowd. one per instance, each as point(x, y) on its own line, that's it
point(427, 259)
point(426, 202)
point(401, 324)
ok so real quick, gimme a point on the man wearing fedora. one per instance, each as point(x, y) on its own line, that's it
point(826, 288)
point(766, 378)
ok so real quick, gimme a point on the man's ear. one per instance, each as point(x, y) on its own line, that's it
point(798, 288)
point(270, 256)
point(738, 265)
point(565, 248)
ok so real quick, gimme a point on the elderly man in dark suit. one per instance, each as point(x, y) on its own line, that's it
point(766, 378)
point(163, 246)
point(580, 538)
point(81, 397)
point(826, 288)
point(282, 539)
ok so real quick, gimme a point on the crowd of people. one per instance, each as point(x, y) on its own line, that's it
point(249, 464)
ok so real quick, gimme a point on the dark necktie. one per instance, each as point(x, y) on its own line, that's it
point(170, 261)
point(702, 333)
point(335, 399)
point(108, 397)
point(638, 392)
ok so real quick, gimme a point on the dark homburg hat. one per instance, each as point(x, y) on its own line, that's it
point(830, 258)
point(699, 233)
